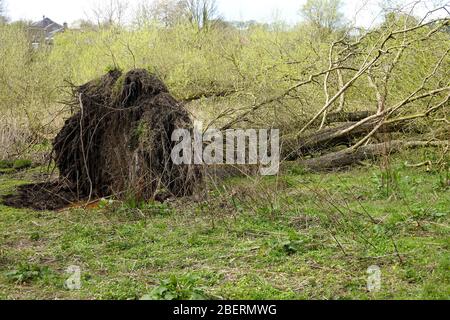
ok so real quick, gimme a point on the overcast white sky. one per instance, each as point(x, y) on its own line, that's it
point(261, 10)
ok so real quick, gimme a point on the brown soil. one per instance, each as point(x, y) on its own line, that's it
point(41, 196)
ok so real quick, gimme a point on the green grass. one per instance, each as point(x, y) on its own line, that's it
point(19, 164)
point(297, 236)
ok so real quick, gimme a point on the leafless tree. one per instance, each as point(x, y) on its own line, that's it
point(167, 12)
point(323, 14)
point(202, 13)
point(110, 13)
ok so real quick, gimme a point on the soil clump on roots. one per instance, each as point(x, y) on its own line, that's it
point(117, 144)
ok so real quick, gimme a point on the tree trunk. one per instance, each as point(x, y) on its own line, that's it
point(349, 157)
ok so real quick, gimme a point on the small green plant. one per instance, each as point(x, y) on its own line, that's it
point(105, 203)
point(35, 236)
point(296, 170)
point(428, 214)
point(5, 164)
point(17, 164)
point(112, 68)
point(151, 207)
point(132, 207)
point(387, 181)
point(174, 288)
point(131, 202)
point(27, 273)
point(444, 173)
point(290, 246)
point(22, 164)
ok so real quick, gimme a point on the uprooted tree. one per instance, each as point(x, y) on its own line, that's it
point(119, 141)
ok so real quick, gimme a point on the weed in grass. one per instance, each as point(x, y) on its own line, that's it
point(178, 288)
point(35, 236)
point(22, 164)
point(387, 183)
point(26, 273)
point(19, 164)
point(289, 247)
point(5, 164)
point(444, 172)
point(134, 209)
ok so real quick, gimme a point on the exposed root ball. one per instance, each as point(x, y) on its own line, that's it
point(119, 142)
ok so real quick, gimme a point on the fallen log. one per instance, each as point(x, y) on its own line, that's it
point(348, 116)
point(350, 157)
point(208, 95)
point(331, 137)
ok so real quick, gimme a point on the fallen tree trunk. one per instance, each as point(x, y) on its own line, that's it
point(207, 95)
point(331, 137)
point(349, 157)
point(348, 116)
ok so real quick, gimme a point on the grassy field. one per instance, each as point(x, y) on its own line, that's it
point(298, 236)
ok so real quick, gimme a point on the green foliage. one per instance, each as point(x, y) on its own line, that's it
point(289, 247)
point(177, 288)
point(134, 207)
point(29, 90)
point(26, 273)
point(387, 182)
point(5, 164)
point(19, 164)
point(22, 164)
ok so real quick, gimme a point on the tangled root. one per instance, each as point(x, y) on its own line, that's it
point(119, 142)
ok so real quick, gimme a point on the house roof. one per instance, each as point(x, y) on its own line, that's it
point(45, 29)
point(47, 25)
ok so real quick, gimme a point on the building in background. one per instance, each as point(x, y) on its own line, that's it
point(43, 32)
